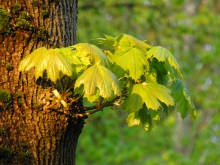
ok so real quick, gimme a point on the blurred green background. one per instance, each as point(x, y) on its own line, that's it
point(190, 29)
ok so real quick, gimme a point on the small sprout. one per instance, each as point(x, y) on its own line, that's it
point(15, 8)
point(9, 66)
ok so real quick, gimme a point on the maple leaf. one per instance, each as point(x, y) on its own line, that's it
point(52, 60)
point(94, 53)
point(163, 55)
point(183, 99)
point(125, 40)
point(98, 76)
point(150, 94)
point(131, 60)
point(79, 60)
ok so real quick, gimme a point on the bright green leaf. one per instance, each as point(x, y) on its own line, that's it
point(133, 103)
point(163, 55)
point(108, 41)
point(79, 60)
point(151, 94)
point(183, 99)
point(125, 40)
point(133, 119)
point(131, 60)
point(95, 54)
point(93, 98)
point(53, 61)
point(122, 41)
point(141, 117)
point(98, 76)
point(32, 59)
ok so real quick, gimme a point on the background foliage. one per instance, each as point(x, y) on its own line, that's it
point(190, 29)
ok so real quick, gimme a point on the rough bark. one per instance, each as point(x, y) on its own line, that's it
point(29, 133)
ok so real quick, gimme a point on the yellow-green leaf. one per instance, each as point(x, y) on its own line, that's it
point(150, 94)
point(53, 61)
point(98, 76)
point(125, 40)
point(131, 60)
point(95, 54)
point(164, 55)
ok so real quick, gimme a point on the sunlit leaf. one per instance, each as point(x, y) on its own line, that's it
point(78, 59)
point(183, 99)
point(95, 54)
point(32, 59)
point(125, 40)
point(108, 41)
point(141, 117)
point(133, 119)
point(131, 60)
point(93, 98)
point(163, 55)
point(150, 94)
point(98, 76)
point(133, 103)
point(53, 61)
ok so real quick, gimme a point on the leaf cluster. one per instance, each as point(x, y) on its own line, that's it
point(131, 75)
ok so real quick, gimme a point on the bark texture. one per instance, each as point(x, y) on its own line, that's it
point(30, 133)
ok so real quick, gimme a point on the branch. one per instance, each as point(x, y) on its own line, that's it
point(97, 108)
point(108, 103)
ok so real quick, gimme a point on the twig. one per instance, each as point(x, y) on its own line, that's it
point(95, 108)
point(102, 105)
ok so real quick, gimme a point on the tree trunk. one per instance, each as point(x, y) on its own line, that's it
point(30, 133)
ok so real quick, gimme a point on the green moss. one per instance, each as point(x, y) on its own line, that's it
point(23, 24)
point(5, 97)
point(23, 21)
point(24, 15)
point(5, 26)
point(24, 145)
point(15, 8)
point(6, 153)
point(25, 157)
point(35, 3)
point(18, 95)
point(41, 33)
point(37, 106)
point(9, 66)
point(2, 131)
point(44, 13)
